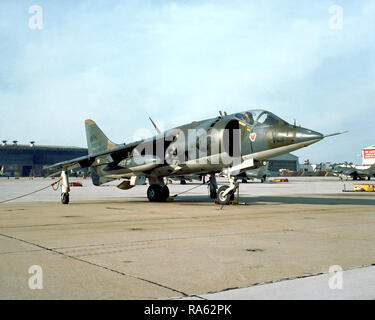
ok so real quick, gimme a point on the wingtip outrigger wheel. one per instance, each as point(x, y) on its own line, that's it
point(64, 188)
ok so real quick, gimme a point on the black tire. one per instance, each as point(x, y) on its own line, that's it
point(65, 198)
point(224, 199)
point(153, 192)
point(244, 180)
point(369, 178)
point(183, 181)
point(157, 193)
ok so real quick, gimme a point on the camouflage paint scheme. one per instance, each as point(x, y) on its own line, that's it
point(344, 171)
point(262, 135)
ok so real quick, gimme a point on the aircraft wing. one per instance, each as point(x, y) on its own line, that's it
point(349, 171)
point(372, 169)
point(113, 155)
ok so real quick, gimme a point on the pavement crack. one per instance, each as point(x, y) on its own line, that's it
point(133, 243)
point(96, 265)
point(23, 251)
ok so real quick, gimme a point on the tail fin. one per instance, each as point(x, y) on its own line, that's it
point(97, 141)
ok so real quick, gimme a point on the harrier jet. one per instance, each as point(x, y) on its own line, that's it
point(226, 144)
point(344, 171)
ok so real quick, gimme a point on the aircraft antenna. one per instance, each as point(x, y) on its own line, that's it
point(155, 126)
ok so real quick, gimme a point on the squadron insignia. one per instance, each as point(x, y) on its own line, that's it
point(252, 136)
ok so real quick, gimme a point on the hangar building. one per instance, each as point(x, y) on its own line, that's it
point(29, 160)
point(286, 161)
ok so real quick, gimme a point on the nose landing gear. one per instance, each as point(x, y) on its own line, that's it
point(225, 194)
point(223, 198)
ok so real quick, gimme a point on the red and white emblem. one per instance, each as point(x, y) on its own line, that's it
point(253, 136)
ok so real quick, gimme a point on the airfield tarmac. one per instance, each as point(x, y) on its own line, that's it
point(114, 244)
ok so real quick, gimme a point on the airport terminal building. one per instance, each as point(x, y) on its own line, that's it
point(30, 159)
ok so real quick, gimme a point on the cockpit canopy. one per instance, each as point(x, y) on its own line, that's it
point(259, 117)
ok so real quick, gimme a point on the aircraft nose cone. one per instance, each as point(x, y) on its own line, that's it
point(304, 135)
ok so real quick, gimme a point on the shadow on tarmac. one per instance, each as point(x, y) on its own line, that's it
point(311, 200)
point(287, 200)
point(359, 199)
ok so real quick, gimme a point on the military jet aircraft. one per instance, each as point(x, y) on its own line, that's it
point(345, 171)
point(228, 144)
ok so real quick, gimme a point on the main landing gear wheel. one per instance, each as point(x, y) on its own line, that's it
point(224, 199)
point(65, 198)
point(157, 193)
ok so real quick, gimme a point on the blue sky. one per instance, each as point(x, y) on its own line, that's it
point(118, 62)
